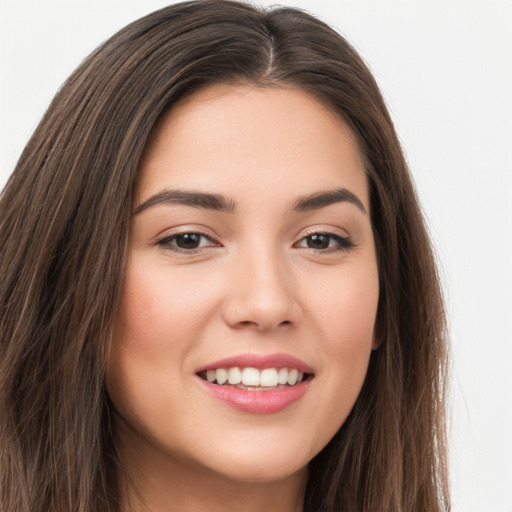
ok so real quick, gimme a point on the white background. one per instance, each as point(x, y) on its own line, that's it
point(445, 68)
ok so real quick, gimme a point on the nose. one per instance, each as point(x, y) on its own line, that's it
point(262, 293)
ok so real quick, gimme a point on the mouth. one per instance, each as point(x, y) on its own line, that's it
point(255, 379)
point(257, 384)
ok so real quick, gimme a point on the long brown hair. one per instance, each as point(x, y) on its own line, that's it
point(64, 228)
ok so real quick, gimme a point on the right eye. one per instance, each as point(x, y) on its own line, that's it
point(189, 242)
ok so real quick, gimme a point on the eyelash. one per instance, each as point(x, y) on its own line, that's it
point(345, 243)
point(169, 242)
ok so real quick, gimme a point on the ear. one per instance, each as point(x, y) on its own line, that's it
point(375, 342)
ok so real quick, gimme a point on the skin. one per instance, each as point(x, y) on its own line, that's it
point(254, 285)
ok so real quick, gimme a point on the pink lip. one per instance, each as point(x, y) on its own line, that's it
point(260, 362)
point(258, 402)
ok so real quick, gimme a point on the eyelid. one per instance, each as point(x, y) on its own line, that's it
point(345, 241)
point(164, 240)
point(324, 229)
point(184, 229)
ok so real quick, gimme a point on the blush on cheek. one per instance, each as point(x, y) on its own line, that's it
point(350, 340)
point(144, 310)
point(140, 299)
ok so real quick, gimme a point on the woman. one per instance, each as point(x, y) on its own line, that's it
point(217, 290)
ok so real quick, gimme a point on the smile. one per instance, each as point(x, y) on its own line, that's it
point(257, 384)
point(254, 379)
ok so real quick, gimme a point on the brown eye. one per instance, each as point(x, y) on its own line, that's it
point(319, 241)
point(187, 242)
point(326, 242)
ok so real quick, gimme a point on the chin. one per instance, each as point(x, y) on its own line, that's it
point(263, 460)
point(261, 470)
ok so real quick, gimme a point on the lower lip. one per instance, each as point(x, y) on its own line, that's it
point(257, 402)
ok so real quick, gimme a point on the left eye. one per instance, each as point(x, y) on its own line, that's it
point(186, 241)
point(325, 242)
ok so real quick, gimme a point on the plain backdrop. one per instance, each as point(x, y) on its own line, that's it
point(445, 68)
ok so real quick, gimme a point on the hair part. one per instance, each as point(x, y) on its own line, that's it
point(65, 218)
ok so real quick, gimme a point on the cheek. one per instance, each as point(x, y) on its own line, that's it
point(155, 328)
point(160, 312)
point(346, 309)
point(345, 315)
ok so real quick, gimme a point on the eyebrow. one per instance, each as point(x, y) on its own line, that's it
point(322, 199)
point(218, 202)
point(201, 200)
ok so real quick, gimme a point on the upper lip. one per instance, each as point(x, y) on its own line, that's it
point(259, 361)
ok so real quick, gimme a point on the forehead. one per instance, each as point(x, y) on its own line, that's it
point(248, 138)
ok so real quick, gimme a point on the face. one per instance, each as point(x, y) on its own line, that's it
point(252, 259)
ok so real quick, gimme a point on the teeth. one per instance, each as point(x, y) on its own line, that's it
point(234, 376)
point(267, 378)
point(282, 376)
point(250, 377)
point(221, 376)
point(292, 376)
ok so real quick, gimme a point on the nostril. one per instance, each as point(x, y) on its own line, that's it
point(249, 312)
point(261, 326)
point(246, 323)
